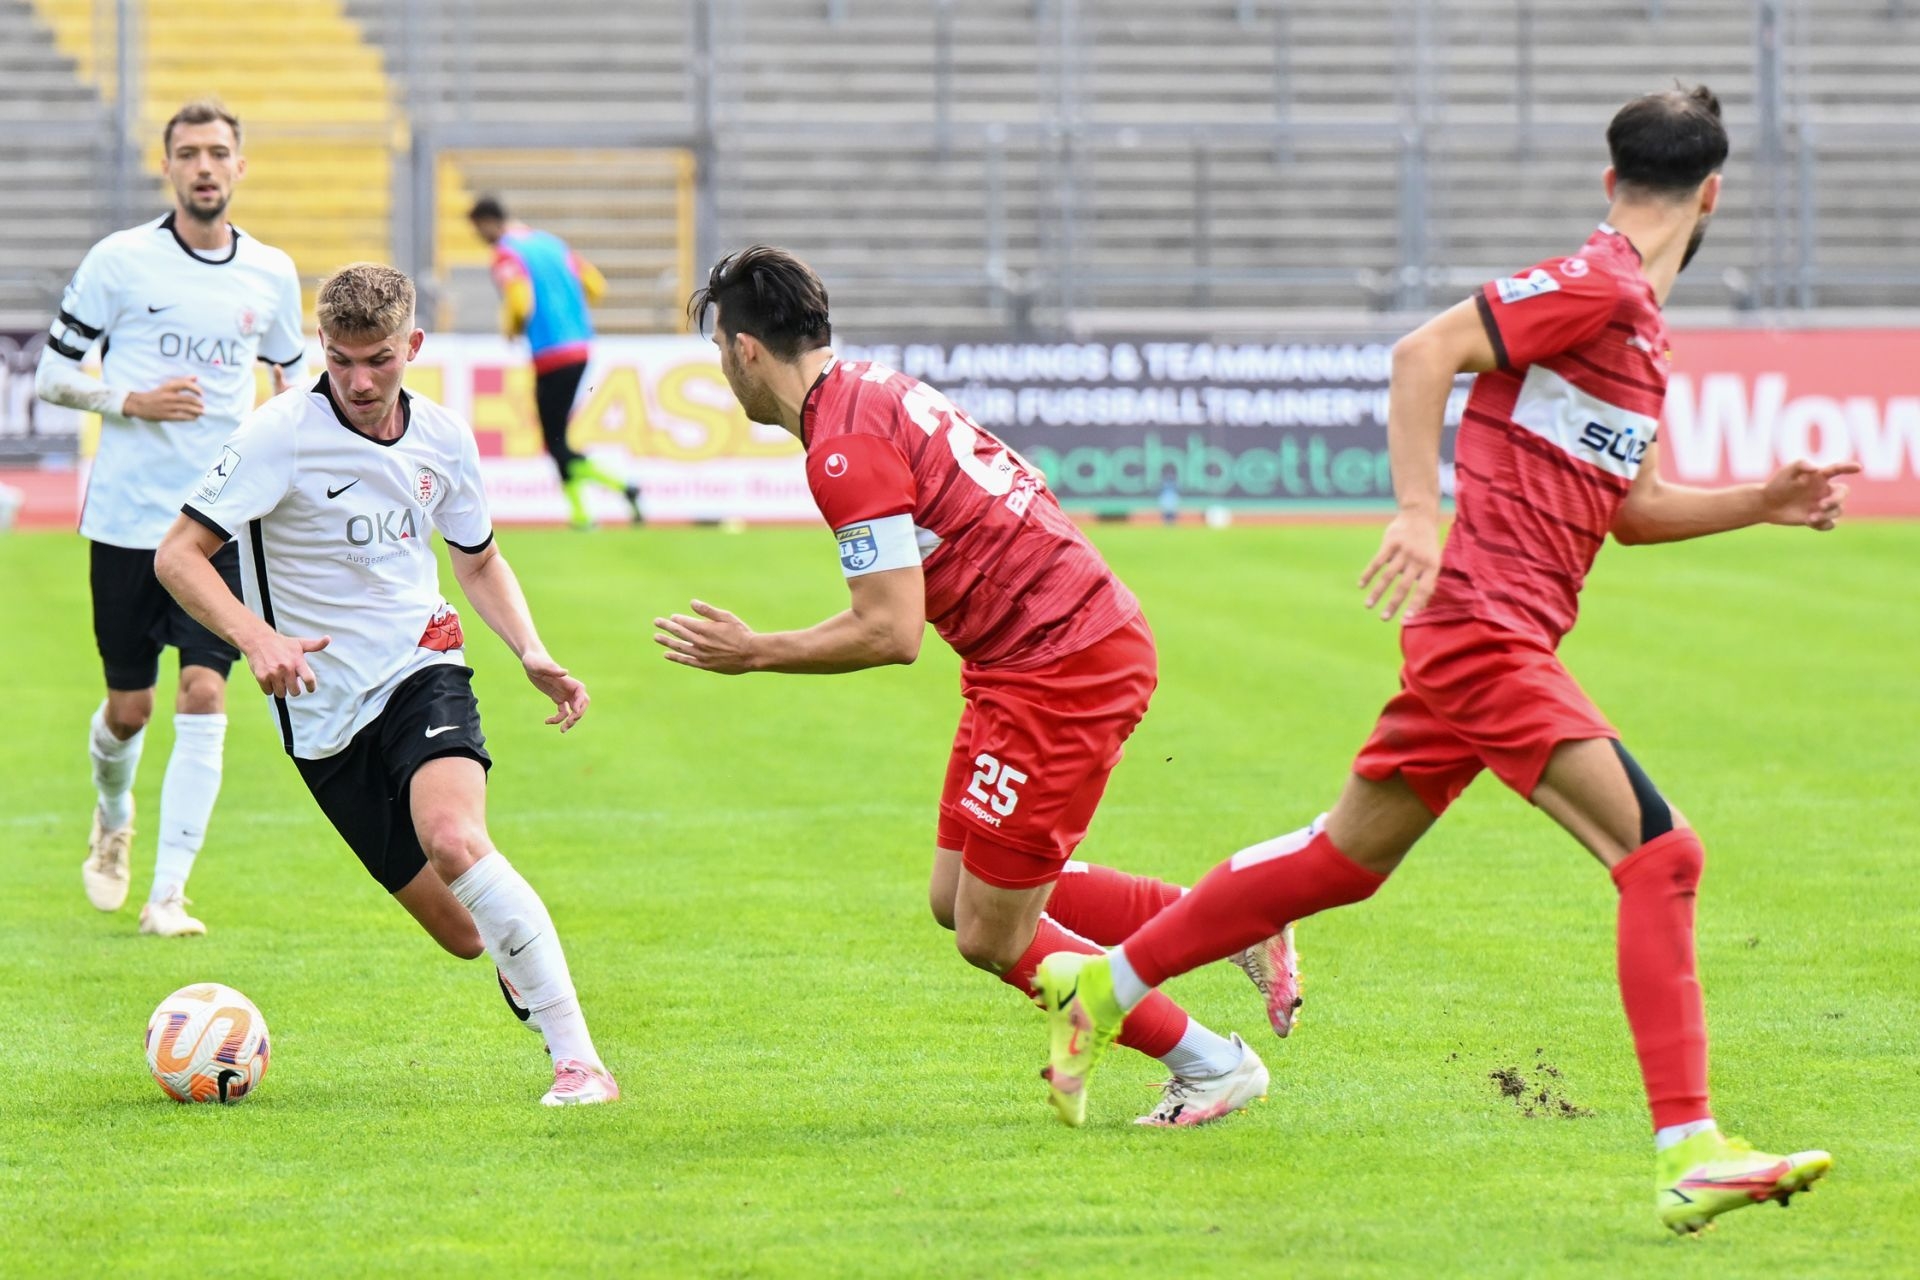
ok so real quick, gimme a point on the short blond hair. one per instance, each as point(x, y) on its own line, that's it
point(365, 300)
point(201, 111)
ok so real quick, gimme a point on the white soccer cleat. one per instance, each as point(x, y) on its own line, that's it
point(575, 1084)
point(168, 918)
point(105, 873)
point(1188, 1102)
point(1274, 968)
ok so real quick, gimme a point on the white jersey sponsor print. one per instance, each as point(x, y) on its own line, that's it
point(161, 311)
point(335, 540)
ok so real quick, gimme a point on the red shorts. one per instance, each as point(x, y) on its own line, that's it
point(1475, 696)
point(1033, 752)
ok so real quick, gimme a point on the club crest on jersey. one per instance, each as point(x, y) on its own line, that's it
point(217, 475)
point(247, 321)
point(1531, 285)
point(858, 550)
point(425, 486)
point(836, 465)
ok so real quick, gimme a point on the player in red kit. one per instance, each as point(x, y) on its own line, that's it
point(939, 522)
point(1557, 450)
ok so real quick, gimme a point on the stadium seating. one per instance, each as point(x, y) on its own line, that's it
point(1225, 155)
point(320, 126)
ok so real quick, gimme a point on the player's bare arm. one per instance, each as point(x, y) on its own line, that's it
point(1425, 363)
point(494, 591)
point(183, 565)
point(1798, 494)
point(882, 628)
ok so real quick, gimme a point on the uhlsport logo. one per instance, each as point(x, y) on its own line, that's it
point(858, 550)
point(836, 465)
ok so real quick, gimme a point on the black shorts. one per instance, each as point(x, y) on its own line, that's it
point(134, 618)
point(553, 394)
point(363, 790)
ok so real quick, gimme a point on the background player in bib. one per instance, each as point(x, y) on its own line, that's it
point(938, 521)
point(545, 290)
point(334, 492)
point(183, 306)
point(1556, 451)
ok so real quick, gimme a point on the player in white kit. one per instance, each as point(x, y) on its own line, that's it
point(182, 307)
point(333, 494)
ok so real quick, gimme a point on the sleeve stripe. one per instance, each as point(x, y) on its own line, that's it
point(86, 331)
point(202, 518)
point(473, 550)
point(71, 352)
point(288, 363)
point(1493, 329)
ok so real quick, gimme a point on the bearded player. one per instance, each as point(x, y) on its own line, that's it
point(181, 308)
point(939, 522)
point(1556, 451)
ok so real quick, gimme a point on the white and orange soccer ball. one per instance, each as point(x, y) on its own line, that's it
point(207, 1043)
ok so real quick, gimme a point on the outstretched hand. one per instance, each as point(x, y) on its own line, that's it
point(568, 694)
point(1406, 567)
point(1803, 494)
point(713, 640)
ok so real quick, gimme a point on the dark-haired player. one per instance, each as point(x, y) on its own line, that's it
point(545, 289)
point(939, 522)
point(1557, 450)
point(181, 307)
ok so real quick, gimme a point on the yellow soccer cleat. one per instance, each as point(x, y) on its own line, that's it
point(1697, 1180)
point(1076, 992)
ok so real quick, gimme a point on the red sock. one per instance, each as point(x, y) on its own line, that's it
point(1253, 895)
point(1106, 905)
point(1657, 977)
point(1156, 1023)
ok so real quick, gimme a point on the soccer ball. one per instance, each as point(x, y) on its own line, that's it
point(207, 1043)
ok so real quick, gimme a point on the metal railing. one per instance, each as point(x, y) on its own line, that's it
point(1786, 143)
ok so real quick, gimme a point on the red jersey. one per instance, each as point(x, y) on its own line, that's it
point(904, 477)
point(1552, 439)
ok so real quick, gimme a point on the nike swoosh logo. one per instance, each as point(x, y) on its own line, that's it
point(334, 493)
point(1068, 998)
point(514, 951)
point(440, 729)
point(154, 311)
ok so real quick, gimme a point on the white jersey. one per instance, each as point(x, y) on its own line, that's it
point(164, 311)
point(334, 541)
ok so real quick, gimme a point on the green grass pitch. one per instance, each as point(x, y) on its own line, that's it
point(817, 1085)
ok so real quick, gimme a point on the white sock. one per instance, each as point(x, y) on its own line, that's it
point(187, 794)
point(1203, 1055)
point(1127, 987)
point(1675, 1134)
point(114, 764)
point(520, 937)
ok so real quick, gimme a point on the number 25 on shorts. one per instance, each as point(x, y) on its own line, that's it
point(989, 772)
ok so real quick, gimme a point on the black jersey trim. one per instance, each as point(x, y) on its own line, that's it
point(1492, 327)
point(202, 518)
point(233, 245)
point(474, 550)
point(86, 331)
point(806, 401)
point(288, 363)
point(67, 349)
point(259, 543)
point(325, 388)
